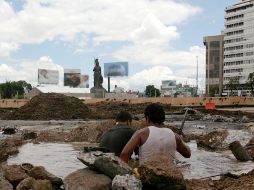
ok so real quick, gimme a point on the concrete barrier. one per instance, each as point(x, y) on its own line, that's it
point(189, 101)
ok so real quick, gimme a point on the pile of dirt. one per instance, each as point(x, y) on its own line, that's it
point(51, 106)
point(109, 110)
point(244, 181)
point(236, 114)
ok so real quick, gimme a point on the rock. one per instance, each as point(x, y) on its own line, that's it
point(213, 140)
point(107, 163)
point(4, 184)
point(89, 158)
point(14, 174)
point(159, 172)
point(245, 119)
point(86, 179)
point(126, 182)
point(112, 166)
point(250, 148)
point(29, 135)
point(8, 147)
point(9, 130)
point(31, 183)
point(39, 172)
point(239, 152)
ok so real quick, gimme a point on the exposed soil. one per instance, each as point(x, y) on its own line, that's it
point(244, 182)
point(50, 106)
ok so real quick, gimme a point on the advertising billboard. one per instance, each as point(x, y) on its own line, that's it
point(84, 82)
point(46, 76)
point(116, 69)
point(166, 84)
point(72, 77)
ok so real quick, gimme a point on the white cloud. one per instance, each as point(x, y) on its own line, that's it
point(6, 48)
point(44, 20)
point(151, 76)
point(28, 70)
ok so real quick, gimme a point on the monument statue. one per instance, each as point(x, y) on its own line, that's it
point(97, 89)
point(98, 79)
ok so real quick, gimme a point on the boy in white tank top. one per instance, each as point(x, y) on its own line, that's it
point(155, 139)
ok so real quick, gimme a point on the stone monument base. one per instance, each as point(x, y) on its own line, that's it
point(98, 92)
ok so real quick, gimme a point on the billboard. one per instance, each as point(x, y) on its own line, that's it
point(46, 76)
point(84, 82)
point(116, 69)
point(72, 77)
point(166, 84)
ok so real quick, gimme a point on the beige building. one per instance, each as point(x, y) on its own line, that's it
point(214, 64)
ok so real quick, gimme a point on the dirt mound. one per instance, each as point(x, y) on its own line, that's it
point(109, 110)
point(51, 106)
point(244, 181)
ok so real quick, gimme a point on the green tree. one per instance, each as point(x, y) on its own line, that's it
point(151, 91)
point(13, 89)
point(233, 84)
point(250, 82)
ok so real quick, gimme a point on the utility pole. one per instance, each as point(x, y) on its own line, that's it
point(197, 76)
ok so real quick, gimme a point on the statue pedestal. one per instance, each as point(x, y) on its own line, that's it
point(98, 92)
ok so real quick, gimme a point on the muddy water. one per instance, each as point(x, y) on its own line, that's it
point(204, 164)
point(59, 159)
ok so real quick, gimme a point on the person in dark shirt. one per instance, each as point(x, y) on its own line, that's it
point(117, 137)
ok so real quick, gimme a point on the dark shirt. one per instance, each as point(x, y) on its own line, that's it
point(116, 138)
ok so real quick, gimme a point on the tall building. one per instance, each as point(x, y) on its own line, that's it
point(239, 44)
point(214, 64)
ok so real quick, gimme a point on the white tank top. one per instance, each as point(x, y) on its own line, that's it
point(159, 141)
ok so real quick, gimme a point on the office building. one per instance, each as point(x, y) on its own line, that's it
point(239, 45)
point(214, 64)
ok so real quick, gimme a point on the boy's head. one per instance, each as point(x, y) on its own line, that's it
point(155, 113)
point(124, 116)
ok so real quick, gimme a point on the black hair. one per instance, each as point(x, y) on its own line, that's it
point(155, 113)
point(124, 116)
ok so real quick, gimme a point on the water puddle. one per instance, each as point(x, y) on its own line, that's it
point(204, 164)
point(59, 159)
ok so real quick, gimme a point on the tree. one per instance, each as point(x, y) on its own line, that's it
point(233, 84)
point(12, 89)
point(151, 91)
point(250, 82)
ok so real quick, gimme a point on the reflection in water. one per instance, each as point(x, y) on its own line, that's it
point(204, 164)
point(59, 159)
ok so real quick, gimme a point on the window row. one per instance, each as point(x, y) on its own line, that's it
point(236, 32)
point(234, 25)
point(234, 40)
point(233, 55)
point(230, 63)
point(229, 78)
point(238, 47)
point(234, 17)
point(233, 48)
point(239, 8)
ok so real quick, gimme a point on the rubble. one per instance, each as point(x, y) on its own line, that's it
point(106, 163)
point(213, 140)
point(160, 172)
point(9, 146)
point(20, 177)
point(126, 182)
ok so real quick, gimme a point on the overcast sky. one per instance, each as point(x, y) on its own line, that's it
point(160, 39)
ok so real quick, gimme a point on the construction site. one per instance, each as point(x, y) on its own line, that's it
point(51, 129)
